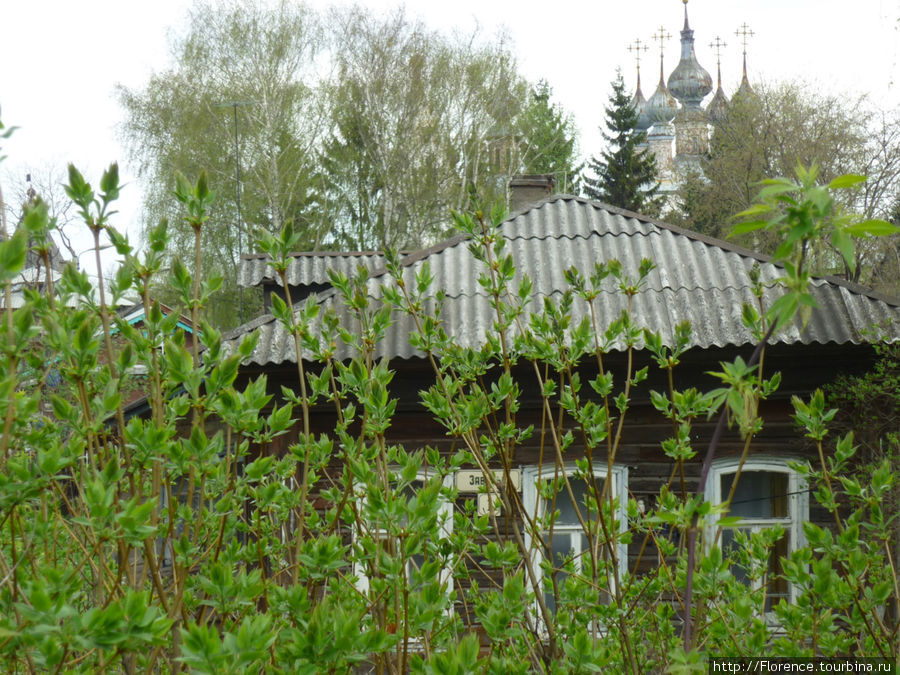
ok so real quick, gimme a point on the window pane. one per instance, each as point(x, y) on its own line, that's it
point(567, 513)
point(408, 493)
point(387, 544)
point(759, 494)
point(414, 564)
point(728, 546)
point(562, 548)
point(569, 538)
point(412, 489)
point(777, 586)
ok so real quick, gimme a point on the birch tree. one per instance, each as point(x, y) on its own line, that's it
point(363, 130)
point(413, 113)
point(240, 101)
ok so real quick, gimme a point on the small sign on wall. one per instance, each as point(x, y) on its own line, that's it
point(489, 502)
point(473, 480)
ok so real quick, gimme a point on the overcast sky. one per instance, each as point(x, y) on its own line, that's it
point(61, 59)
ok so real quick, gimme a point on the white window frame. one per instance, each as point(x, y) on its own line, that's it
point(445, 522)
point(532, 475)
point(797, 502)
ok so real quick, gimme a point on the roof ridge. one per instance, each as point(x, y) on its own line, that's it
point(320, 254)
point(663, 288)
point(245, 328)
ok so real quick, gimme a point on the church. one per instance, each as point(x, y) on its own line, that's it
point(677, 124)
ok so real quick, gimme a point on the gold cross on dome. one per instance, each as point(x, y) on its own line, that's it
point(745, 34)
point(637, 47)
point(718, 44)
point(662, 35)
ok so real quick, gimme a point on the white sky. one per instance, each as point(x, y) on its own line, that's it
point(61, 59)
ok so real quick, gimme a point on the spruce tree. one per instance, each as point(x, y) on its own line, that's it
point(625, 173)
point(549, 140)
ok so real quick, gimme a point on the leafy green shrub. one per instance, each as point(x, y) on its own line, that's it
point(176, 540)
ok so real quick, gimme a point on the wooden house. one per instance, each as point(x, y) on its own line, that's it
point(697, 279)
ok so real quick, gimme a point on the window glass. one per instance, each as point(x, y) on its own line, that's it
point(765, 496)
point(567, 539)
point(567, 511)
point(759, 494)
point(391, 545)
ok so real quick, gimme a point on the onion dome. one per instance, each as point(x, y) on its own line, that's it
point(689, 82)
point(717, 107)
point(662, 107)
point(639, 103)
point(745, 89)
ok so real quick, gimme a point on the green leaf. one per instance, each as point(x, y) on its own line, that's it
point(846, 181)
point(182, 188)
point(844, 243)
point(729, 521)
point(61, 407)
point(750, 226)
point(784, 308)
point(874, 227)
point(120, 242)
point(78, 189)
point(755, 210)
point(109, 182)
point(37, 218)
point(202, 189)
point(749, 314)
point(775, 188)
point(12, 255)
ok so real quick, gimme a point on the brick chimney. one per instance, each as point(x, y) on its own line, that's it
point(526, 189)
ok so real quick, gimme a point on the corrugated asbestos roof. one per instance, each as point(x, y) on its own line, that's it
point(306, 269)
point(697, 278)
